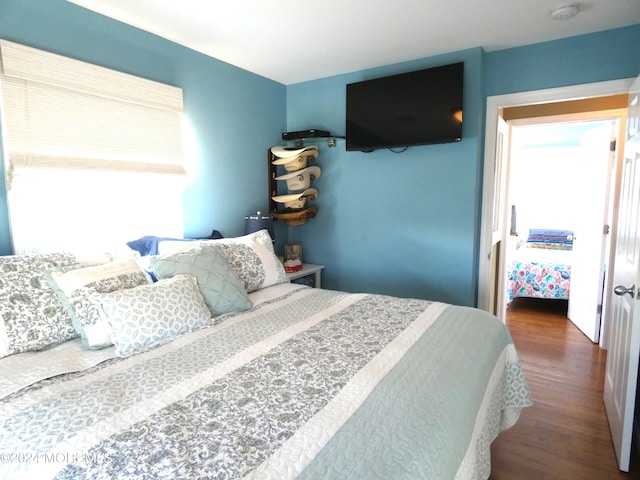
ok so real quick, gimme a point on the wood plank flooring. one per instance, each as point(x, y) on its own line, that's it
point(565, 434)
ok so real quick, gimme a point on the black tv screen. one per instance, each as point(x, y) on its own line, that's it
point(415, 108)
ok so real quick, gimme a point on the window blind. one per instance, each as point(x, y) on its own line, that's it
point(64, 108)
point(68, 122)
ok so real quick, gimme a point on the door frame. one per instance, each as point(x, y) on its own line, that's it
point(613, 162)
point(494, 105)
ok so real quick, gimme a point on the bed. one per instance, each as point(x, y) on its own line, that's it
point(298, 383)
point(541, 267)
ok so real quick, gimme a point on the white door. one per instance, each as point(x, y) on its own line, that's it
point(587, 257)
point(491, 285)
point(624, 349)
point(499, 228)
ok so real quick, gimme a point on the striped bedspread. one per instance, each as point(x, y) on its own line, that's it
point(308, 384)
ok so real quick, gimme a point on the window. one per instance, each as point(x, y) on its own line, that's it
point(93, 157)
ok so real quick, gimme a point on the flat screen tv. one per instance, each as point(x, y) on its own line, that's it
point(415, 108)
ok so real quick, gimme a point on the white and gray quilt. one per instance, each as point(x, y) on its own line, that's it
point(310, 383)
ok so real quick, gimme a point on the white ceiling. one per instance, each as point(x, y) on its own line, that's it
point(297, 40)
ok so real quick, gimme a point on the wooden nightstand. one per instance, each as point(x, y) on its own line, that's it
point(308, 269)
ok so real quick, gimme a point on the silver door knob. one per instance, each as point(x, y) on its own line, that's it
point(621, 290)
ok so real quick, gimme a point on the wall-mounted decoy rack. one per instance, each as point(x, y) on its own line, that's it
point(297, 174)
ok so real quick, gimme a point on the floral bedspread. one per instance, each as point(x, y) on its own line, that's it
point(540, 273)
point(310, 383)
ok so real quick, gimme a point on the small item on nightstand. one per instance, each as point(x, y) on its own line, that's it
point(294, 265)
point(293, 256)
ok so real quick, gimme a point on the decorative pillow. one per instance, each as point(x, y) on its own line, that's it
point(76, 286)
point(221, 288)
point(251, 257)
point(150, 315)
point(31, 315)
point(148, 245)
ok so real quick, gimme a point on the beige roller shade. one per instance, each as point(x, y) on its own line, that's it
point(64, 113)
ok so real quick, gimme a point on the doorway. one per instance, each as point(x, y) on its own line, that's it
point(559, 192)
point(529, 104)
point(626, 351)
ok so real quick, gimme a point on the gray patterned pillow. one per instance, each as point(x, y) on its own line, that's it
point(31, 315)
point(151, 315)
point(221, 288)
point(76, 287)
point(251, 257)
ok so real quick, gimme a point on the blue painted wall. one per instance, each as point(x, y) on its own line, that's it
point(395, 223)
point(408, 224)
point(404, 224)
point(222, 103)
point(598, 57)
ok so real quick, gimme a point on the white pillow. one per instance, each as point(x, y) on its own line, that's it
point(75, 288)
point(150, 315)
point(251, 257)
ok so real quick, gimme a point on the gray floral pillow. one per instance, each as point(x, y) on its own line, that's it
point(31, 315)
point(151, 315)
point(251, 256)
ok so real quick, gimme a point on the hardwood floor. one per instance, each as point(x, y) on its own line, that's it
point(565, 434)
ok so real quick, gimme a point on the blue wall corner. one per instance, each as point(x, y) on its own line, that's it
point(232, 115)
